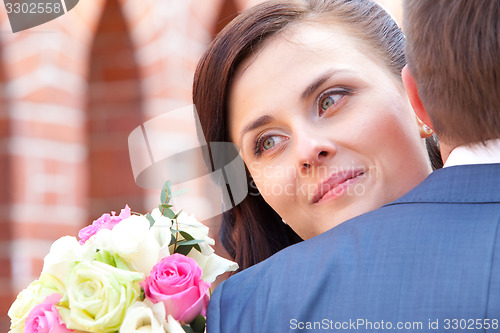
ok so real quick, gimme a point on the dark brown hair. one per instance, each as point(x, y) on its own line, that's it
point(253, 231)
point(453, 52)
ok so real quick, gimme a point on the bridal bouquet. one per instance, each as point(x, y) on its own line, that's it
point(127, 273)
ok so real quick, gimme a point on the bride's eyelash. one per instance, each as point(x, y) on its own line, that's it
point(336, 90)
point(343, 91)
point(257, 151)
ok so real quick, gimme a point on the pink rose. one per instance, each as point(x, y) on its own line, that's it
point(106, 221)
point(176, 282)
point(44, 317)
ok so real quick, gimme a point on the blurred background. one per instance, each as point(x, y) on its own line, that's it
point(71, 92)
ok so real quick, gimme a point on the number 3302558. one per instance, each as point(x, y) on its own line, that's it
point(34, 8)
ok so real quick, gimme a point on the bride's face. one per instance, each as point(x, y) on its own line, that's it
point(325, 129)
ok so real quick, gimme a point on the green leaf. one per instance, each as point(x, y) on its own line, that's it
point(172, 240)
point(142, 296)
point(167, 212)
point(119, 263)
point(111, 259)
point(190, 242)
point(186, 235)
point(105, 257)
point(177, 215)
point(165, 206)
point(166, 189)
point(183, 249)
point(174, 231)
point(187, 329)
point(198, 324)
point(163, 196)
point(150, 219)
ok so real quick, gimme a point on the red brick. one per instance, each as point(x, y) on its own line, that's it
point(149, 37)
point(112, 18)
point(173, 92)
point(120, 73)
point(18, 187)
point(36, 266)
point(114, 117)
point(53, 95)
point(53, 167)
point(227, 13)
point(58, 132)
point(154, 68)
point(141, 17)
point(4, 127)
point(111, 174)
point(4, 320)
point(24, 65)
point(5, 229)
point(205, 13)
point(5, 268)
point(4, 179)
point(6, 301)
point(43, 230)
point(52, 199)
point(112, 91)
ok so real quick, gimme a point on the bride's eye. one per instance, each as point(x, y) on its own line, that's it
point(266, 143)
point(329, 99)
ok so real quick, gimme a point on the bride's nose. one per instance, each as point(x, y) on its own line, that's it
point(313, 149)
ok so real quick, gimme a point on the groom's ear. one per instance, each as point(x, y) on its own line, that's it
point(412, 91)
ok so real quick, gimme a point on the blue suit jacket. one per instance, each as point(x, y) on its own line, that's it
point(428, 262)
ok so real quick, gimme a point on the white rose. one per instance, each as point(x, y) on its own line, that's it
point(62, 253)
point(212, 265)
point(132, 240)
point(148, 317)
point(98, 296)
point(173, 326)
point(161, 231)
point(144, 317)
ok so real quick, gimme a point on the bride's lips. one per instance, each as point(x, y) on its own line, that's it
point(335, 185)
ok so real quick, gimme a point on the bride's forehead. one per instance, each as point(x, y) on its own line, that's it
point(300, 48)
point(314, 40)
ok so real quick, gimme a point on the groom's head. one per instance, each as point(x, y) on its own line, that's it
point(453, 54)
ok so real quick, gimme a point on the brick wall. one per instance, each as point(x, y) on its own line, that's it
point(114, 102)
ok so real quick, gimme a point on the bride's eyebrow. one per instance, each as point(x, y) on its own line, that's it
point(261, 121)
point(318, 81)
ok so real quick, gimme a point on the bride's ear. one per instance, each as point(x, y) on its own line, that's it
point(412, 91)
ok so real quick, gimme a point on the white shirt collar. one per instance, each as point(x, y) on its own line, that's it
point(475, 154)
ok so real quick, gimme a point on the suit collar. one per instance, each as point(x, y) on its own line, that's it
point(478, 183)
